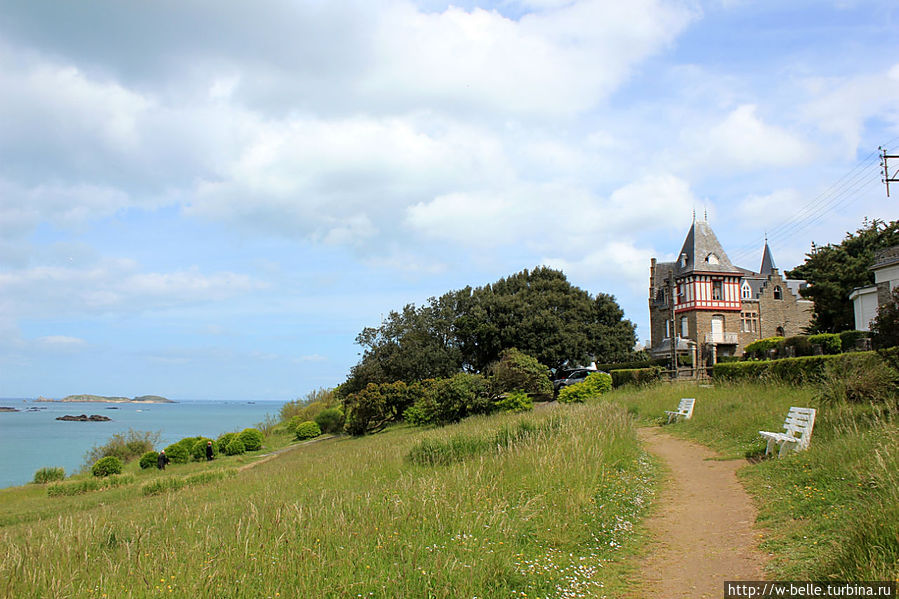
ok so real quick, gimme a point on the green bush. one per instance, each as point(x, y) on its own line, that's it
point(330, 420)
point(198, 450)
point(594, 385)
point(830, 343)
point(126, 447)
point(663, 362)
point(794, 347)
point(148, 460)
point(235, 446)
point(807, 369)
point(252, 439)
point(849, 339)
point(863, 380)
point(517, 401)
point(449, 400)
point(46, 475)
point(178, 453)
point(758, 350)
point(517, 371)
point(372, 408)
point(308, 430)
point(636, 376)
point(106, 466)
point(224, 439)
point(890, 356)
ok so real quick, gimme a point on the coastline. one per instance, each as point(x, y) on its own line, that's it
point(146, 399)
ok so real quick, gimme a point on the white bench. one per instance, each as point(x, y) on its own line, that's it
point(798, 427)
point(684, 410)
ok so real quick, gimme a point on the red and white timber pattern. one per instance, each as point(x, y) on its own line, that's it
point(708, 292)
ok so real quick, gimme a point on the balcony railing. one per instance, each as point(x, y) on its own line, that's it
point(722, 338)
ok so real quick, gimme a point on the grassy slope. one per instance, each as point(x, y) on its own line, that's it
point(546, 516)
point(831, 512)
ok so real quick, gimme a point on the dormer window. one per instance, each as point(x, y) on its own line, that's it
point(745, 291)
point(778, 292)
point(712, 259)
point(683, 260)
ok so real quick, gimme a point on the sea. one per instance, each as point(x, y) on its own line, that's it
point(32, 438)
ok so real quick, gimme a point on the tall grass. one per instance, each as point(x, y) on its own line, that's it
point(831, 512)
point(546, 516)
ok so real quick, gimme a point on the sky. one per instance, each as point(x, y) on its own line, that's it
point(210, 200)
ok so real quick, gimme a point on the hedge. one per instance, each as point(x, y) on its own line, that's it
point(636, 376)
point(790, 370)
point(633, 365)
point(830, 343)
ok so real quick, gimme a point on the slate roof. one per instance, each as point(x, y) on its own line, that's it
point(767, 261)
point(704, 253)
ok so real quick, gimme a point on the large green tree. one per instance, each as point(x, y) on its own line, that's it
point(833, 271)
point(538, 312)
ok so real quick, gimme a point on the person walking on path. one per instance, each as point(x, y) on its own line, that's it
point(209, 451)
point(162, 460)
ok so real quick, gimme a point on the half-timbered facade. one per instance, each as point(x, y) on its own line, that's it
point(707, 307)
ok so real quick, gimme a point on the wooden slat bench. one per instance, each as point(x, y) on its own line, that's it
point(684, 410)
point(798, 432)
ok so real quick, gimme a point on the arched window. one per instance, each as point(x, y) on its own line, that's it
point(745, 291)
point(778, 292)
point(780, 331)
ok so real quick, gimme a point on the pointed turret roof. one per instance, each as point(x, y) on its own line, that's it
point(703, 253)
point(768, 264)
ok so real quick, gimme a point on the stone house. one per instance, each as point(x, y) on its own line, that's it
point(707, 307)
point(866, 300)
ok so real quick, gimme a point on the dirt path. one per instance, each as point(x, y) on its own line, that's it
point(703, 532)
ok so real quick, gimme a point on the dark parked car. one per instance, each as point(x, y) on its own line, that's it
point(570, 377)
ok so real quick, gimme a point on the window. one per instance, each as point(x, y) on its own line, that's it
point(684, 327)
point(745, 291)
point(749, 322)
point(717, 290)
point(780, 331)
point(712, 259)
point(667, 329)
point(778, 293)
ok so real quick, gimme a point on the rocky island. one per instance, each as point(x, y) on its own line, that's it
point(109, 399)
point(84, 418)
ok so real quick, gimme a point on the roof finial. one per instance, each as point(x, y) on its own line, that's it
point(694, 214)
point(706, 214)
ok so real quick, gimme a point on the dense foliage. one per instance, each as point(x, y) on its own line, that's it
point(594, 385)
point(805, 369)
point(106, 466)
point(449, 400)
point(307, 430)
point(252, 439)
point(636, 376)
point(885, 327)
point(46, 475)
point(198, 448)
point(538, 312)
point(517, 401)
point(126, 447)
point(330, 420)
point(517, 371)
point(178, 452)
point(235, 446)
point(833, 271)
point(148, 460)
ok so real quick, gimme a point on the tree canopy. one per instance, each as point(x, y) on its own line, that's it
point(538, 312)
point(833, 271)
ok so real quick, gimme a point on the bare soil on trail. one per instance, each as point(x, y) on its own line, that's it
point(702, 533)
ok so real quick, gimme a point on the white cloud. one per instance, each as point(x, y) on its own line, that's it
point(742, 141)
point(60, 342)
point(619, 261)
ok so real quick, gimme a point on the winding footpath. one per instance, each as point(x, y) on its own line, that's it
point(703, 530)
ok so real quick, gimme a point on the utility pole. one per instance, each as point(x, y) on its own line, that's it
point(673, 338)
point(884, 163)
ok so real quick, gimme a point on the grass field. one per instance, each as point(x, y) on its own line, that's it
point(542, 504)
point(829, 513)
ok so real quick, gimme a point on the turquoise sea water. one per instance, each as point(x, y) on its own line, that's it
point(30, 440)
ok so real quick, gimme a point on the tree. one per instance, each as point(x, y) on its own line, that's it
point(833, 271)
point(539, 312)
point(885, 326)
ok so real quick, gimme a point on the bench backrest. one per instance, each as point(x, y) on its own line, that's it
point(799, 424)
point(685, 407)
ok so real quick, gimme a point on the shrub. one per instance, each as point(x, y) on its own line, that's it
point(377, 405)
point(126, 447)
point(517, 401)
point(449, 400)
point(849, 340)
point(594, 385)
point(517, 371)
point(224, 439)
point(235, 447)
point(868, 379)
point(252, 439)
point(198, 450)
point(308, 430)
point(663, 362)
point(830, 343)
point(148, 460)
point(106, 466)
point(330, 420)
point(308, 407)
point(807, 369)
point(793, 347)
point(636, 376)
point(885, 326)
point(177, 453)
point(758, 350)
point(46, 475)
